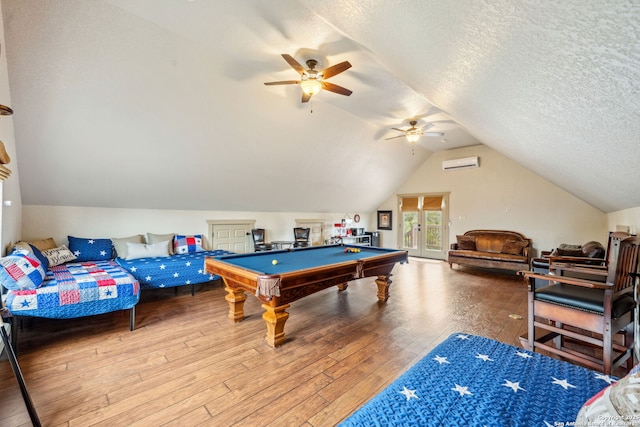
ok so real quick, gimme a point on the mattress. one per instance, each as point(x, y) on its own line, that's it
point(175, 270)
point(77, 289)
point(469, 380)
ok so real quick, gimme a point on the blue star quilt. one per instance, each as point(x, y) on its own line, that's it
point(174, 270)
point(470, 380)
point(77, 289)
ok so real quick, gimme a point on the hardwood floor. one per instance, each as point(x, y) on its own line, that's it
point(187, 364)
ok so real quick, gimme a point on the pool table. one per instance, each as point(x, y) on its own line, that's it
point(278, 278)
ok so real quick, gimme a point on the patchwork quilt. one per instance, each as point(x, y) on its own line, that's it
point(469, 380)
point(175, 270)
point(77, 289)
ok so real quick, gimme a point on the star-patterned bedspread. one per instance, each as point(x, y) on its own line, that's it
point(469, 380)
point(167, 272)
point(77, 289)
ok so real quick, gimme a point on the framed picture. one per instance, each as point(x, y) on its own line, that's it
point(384, 220)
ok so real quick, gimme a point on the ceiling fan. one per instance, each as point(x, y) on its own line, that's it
point(413, 133)
point(312, 80)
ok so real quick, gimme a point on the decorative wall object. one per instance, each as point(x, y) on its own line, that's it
point(384, 220)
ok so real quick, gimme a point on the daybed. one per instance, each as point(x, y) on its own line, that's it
point(469, 380)
point(56, 282)
point(158, 260)
point(56, 288)
point(500, 249)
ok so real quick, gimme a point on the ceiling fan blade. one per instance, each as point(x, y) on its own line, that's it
point(394, 137)
point(336, 89)
point(286, 82)
point(305, 97)
point(399, 130)
point(433, 134)
point(295, 64)
point(428, 126)
point(335, 69)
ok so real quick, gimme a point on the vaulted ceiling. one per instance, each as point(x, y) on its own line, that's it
point(161, 103)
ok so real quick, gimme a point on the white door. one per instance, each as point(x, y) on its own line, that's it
point(233, 237)
point(424, 219)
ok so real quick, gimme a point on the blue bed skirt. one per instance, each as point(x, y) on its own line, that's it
point(469, 380)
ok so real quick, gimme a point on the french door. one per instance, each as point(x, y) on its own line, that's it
point(424, 225)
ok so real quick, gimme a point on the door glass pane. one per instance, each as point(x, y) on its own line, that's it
point(433, 230)
point(410, 230)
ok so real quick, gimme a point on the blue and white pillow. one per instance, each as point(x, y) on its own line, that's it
point(187, 244)
point(20, 270)
point(42, 259)
point(91, 249)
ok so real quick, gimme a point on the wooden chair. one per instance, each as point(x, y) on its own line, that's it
point(259, 244)
point(587, 311)
point(301, 237)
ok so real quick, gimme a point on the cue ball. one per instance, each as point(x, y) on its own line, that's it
point(274, 262)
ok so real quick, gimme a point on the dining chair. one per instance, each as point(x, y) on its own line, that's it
point(301, 237)
point(259, 244)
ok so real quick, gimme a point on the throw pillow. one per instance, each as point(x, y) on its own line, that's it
point(187, 244)
point(514, 247)
point(141, 250)
point(91, 249)
point(43, 244)
point(58, 255)
point(569, 250)
point(43, 260)
point(120, 244)
point(593, 249)
point(466, 243)
point(155, 238)
point(20, 271)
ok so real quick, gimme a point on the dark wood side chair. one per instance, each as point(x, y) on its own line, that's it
point(259, 243)
point(590, 312)
point(301, 237)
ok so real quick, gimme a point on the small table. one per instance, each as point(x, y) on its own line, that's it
point(297, 273)
point(282, 244)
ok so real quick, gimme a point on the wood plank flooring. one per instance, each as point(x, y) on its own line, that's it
point(187, 364)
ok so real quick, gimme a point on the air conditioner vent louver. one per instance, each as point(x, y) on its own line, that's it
point(466, 163)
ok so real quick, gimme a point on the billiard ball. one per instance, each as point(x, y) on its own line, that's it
point(274, 262)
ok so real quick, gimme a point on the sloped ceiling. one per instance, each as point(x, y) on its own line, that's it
point(161, 103)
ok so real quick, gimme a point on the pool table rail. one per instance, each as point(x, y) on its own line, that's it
point(277, 291)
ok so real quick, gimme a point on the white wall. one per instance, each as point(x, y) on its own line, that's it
point(60, 221)
point(501, 194)
point(628, 217)
point(11, 216)
point(498, 195)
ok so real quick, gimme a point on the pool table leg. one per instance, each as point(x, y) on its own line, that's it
point(275, 318)
point(383, 283)
point(236, 299)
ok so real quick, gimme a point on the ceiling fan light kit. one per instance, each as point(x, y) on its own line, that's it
point(312, 81)
point(311, 86)
point(413, 134)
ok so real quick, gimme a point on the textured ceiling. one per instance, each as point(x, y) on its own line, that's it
point(161, 103)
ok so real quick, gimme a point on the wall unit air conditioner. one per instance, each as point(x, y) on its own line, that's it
point(466, 163)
